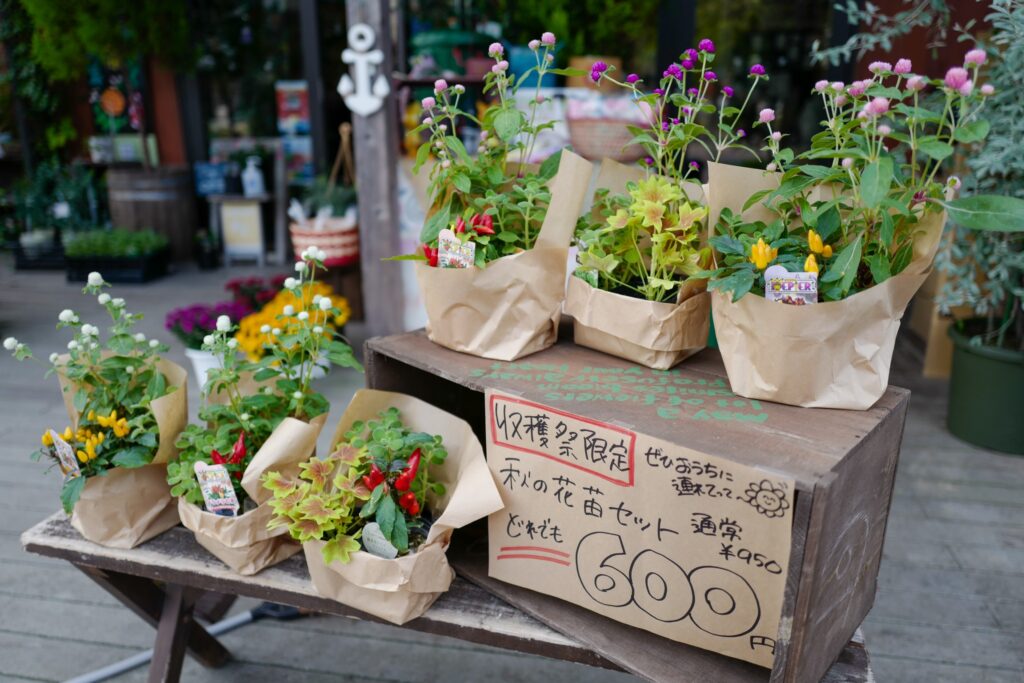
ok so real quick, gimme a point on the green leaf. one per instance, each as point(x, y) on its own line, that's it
point(462, 183)
point(422, 154)
point(134, 456)
point(875, 182)
point(549, 167)
point(828, 223)
point(435, 224)
point(934, 147)
point(844, 267)
point(887, 231)
point(507, 236)
point(70, 493)
point(976, 131)
point(755, 198)
point(265, 374)
point(80, 399)
point(456, 146)
point(901, 259)
point(507, 124)
point(371, 505)
point(727, 245)
point(387, 511)
point(879, 266)
point(340, 549)
point(400, 537)
point(987, 212)
point(739, 283)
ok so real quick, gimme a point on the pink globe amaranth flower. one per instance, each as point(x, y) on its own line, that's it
point(879, 67)
point(446, 163)
point(458, 88)
point(534, 44)
point(977, 57)
point(987, 90)
point(966, 89)
point(440, 85)
point(539, 99)
point(847, 163)
point(428, 102)
point(728, 91)
point(776, 136)
point(549, 57)
point(884, 129)
point(548, 38)
point(916, 83)
point(841, 100)
point(954, 182)
point(956, 77)
point(838, 86)
point(821, 85)
point(877, 106)
point(689, 64)
point(741, 133)
point(766, 116)
point(757, 70)
point(427, 121)
point(863, 114)
point(495, 50)
point(710, 76)
point(707, 46)
point(770, 167)
point(903, 66)
point(500, 67)
point(632, 78)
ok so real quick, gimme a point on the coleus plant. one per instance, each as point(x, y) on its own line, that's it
point(116, 379)
point(238, 417)
point(850, 207)
point(380, 472)
point(647, 242)
point(487, 198)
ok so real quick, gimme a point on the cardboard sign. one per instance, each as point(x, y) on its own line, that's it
point(453, 252)
point(686, 545)
point(797, 288)
point(218, 491)
point(65, 456)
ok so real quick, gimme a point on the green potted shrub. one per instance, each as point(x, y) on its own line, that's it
point(985, 267)
point(122, 255)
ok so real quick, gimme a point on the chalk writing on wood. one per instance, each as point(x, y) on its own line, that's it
point(683, 544)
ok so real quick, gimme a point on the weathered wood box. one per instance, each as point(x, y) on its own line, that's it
point(842, 464)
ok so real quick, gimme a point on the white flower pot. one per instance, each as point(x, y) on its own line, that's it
point(202, 362)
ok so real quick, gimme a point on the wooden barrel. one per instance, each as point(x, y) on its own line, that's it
point(159, 199)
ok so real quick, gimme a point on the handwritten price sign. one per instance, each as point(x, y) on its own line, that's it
point(683, 544)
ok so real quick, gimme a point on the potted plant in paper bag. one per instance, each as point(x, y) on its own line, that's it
point(126, 406)
point(495, 243)
point(637, 291)
point(850, 239)
point(258, 415)
point(375, 517)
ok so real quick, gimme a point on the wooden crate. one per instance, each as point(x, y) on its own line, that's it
point(843, 464)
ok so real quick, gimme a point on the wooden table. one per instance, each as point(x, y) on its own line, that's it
point(161, 580)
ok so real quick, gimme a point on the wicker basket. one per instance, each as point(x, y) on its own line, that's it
point(339, 238)
point(596, 139)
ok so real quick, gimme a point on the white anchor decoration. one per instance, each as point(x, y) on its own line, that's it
point(359, 96)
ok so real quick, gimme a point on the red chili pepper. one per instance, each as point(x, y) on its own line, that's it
point(483, 224)
point(460, 225)
point(408, 502)
point(431, 254)
point(374, 478)
point(217, 458)
point(405, 479)
point(238, 452)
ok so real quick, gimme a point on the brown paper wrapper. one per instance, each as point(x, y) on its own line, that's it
point(244, 543)
point(127, 507)
point(404, 588)
point(834, 354)
point(657, 335)
point(510, 308)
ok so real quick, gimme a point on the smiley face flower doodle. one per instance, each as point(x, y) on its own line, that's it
point(767, 498)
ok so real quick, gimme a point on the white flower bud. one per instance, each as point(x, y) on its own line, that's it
point(95, 279)
point(153, 343)
point(139, 337)
point(93, 345)
point(72, 345)
point(288, 310)
point(300, 266)
point(54, 357)
point(66, 316)
point(208, 340)
point(118, 302)
point(316, 299)
point(232, 343)
point(265, 329)
point(223, 323)
point(103, 299)
point(303, 316)
point(318, 330)
point(291, 283)
point(297, 395)
point(243, 417)
point(321, 255)
point(129, 370)
point(276, 331)
point(90, 330)
point(325, 304)
point(10, 343)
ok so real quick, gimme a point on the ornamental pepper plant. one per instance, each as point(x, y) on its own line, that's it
point(112, 380)
point(851, 207)
point(379, 472)
point(245, 399)
point(489, 196)
point(646, 242)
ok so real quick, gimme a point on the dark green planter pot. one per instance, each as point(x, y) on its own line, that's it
point(986, 395)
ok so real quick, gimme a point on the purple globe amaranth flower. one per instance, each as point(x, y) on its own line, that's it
point(599, 66)
point(757, 70)
point(649, 161)
point(632, 78)
point(689, 64)
point(766, 116)
point(548, 38)
point(695, 165)
point(821, 85)
point(692, 54)
point(673, 70)
point(741, 133)
point(687, 111)
point(903, 66)
point(692, 92)
point(659, 91)
point(977, 57)
point(495, 50)
point(956, 77)
point(595, 76)
point(916, 83)
point(707, 46)
point(879, 67)
point(710, 76)
point(665, 125)
point(728, 91)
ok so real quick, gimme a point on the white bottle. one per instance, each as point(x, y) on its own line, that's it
point(252, 178)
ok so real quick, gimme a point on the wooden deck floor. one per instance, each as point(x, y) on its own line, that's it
point(950, 605)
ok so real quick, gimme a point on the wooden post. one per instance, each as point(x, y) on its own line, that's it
point(376, 149)
point(309, 30)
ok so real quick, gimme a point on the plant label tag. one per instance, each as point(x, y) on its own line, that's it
point(453, 252)
point(376, 544)
point(61, 210)
point(797, 288)
point(218, 491)
point(65, 457)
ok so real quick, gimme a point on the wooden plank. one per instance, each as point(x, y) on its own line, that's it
point(464, 612)
point(663, 404)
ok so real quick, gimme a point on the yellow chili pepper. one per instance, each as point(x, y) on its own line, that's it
point(761, 254)
point(92, 415)
point(814, 242)
point(121, 428)
point(811, 264)
point(827, 251)
point(47, 439)
point(82, 457)
point(68, 435)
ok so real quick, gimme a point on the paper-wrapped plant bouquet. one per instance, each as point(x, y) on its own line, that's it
point(637, 291)
point(258, 415)
point(495, 243)
point(819, 257)
point(375, 517)
point(126, 406)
